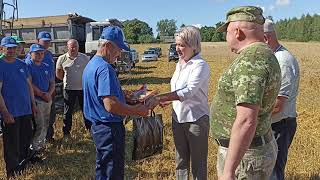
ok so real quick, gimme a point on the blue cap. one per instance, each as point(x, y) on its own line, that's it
point(115, 35)
point(8, 42)
point(36, 47)
point(44, 35)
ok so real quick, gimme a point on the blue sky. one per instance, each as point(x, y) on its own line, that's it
point(189, 12)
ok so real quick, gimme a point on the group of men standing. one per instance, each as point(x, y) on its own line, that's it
point(253, 113)
point(27, 98)
point(254, 103)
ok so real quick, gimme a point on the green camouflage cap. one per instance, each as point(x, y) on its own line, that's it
point(243, 13)
point(18, 39)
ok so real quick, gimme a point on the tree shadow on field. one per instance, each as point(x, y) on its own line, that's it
point(141, 174)
point(303, 177)
point(142, 80)
point(145, 67)
point(134, 72)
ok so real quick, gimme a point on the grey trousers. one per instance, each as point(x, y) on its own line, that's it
point(191, 142)
point(42, 124)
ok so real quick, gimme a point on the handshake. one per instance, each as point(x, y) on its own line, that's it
point(144, 100)
point(154, 101)
point(150, 99)
point(149, 104)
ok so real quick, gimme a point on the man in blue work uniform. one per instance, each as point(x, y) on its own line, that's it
point(105, 107)
point(16, 107)
point(44, 39)
point(43, 87)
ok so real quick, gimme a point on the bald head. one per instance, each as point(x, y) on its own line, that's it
point(73, 47)
point(242, 33)
point(72, 42)
point(250, 29)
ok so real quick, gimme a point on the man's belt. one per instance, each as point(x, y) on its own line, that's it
point(256, 141)
point(285, 120)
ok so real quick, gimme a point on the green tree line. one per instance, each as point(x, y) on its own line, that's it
point(137, 31)
point(303, 29)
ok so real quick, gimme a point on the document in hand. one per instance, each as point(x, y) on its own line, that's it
point(140, 95)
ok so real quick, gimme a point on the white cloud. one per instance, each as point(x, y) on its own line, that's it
point(263, 9)
point(198, 25)
point(271, 8)
point(283, 2)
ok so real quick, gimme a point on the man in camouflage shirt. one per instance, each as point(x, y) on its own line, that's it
point(243, 104)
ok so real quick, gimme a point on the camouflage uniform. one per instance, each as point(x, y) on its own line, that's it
point(253, 78)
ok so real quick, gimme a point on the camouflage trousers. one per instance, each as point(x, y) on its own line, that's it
point(256, 163)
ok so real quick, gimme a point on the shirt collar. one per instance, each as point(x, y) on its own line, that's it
point(68, 56)
point(191, 61)
point(245, 47)
point(278, 48)
point(195, 57)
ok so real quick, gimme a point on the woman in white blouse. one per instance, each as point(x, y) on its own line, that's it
point(189, 96)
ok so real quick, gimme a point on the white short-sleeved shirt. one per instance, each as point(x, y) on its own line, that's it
point(191, 81)
point(289, 83)
point(73, 69)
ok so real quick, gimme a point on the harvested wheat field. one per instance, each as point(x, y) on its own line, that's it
point(75, 158)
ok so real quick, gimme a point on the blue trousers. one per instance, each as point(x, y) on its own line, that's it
point(284, 131)
point(109, 139)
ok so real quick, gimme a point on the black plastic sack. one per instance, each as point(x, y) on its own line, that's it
point(147, 136)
